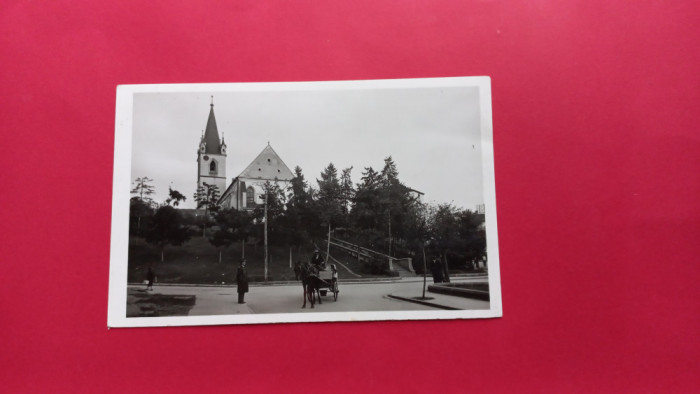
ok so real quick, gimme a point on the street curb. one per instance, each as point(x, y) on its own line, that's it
point(426, 303)
point(287, 283)
point(275, 283)
point(460, 292)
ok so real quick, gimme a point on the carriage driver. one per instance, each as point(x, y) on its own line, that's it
point(317, 260)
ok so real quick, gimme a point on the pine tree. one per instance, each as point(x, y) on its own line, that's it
point(299, 217)
point(347, 192)
point(299, 195)
point(389, 175)
point(328, 203)
point(366, 201)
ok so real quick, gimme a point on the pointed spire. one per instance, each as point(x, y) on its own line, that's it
point(211, 135)
point(212, 101)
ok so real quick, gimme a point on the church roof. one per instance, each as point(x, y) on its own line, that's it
point(268, 165)
point(211, 134)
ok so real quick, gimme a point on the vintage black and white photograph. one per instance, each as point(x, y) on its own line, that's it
point(303, 202)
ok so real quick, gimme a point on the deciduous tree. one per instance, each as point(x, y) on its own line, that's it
point(143, 191)
point(233, 225)
point(206, 197)
point(166, 229)
point(174, 197)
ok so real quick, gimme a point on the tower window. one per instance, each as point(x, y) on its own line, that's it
point(250, 197)
point(212, 167)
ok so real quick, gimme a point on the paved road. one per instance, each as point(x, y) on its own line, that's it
point(211, 300)
point(352, 297)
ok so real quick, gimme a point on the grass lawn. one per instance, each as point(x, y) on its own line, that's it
point(197, 261)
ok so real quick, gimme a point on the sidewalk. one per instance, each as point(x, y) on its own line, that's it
point(211, 300)
point(208, 300)
point(441, 301)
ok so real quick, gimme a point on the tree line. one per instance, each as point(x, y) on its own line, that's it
point(380, 213)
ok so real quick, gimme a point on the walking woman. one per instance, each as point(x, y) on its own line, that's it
point(150, 277)
point(242, 281)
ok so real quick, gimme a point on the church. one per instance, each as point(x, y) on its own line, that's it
point(246, 188)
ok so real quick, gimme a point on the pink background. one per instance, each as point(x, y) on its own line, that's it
point(597, 157)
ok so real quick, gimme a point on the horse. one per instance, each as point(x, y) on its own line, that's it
point(311, 283)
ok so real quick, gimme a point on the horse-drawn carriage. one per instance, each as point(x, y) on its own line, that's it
point(330, 277)
point(319, 280)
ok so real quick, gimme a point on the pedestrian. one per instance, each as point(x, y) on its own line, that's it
point(297, 270)
point(445, 269)
point(242, 282)
point(334, 272)
point(436, 269)
point(150, 277)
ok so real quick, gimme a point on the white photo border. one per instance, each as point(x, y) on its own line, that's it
point(117, 303)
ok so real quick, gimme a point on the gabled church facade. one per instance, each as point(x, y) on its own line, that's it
point(245, 189)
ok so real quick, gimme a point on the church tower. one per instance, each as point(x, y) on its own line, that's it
point(211, 156)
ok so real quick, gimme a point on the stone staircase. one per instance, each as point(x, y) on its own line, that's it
point(401, 266)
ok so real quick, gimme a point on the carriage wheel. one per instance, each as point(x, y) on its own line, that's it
point(335, 290)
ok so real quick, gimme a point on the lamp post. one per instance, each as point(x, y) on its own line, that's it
point(425, 266)
point(265, 278)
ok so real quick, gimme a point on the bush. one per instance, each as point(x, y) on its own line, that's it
point(376, 267)
point(418, 266)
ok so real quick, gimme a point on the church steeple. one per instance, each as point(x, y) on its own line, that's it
point(211, 156)
point(211, 133)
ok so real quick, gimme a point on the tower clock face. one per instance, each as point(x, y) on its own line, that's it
point(206, 157)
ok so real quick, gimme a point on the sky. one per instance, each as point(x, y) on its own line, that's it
point(432, 134)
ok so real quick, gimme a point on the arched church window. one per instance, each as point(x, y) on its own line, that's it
point(250, 197)
point(212, 167)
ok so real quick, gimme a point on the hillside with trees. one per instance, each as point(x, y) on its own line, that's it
point(380, 213)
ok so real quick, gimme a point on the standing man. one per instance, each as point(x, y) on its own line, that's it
point(445, 268)
point(242, 282)
point(436, 268)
